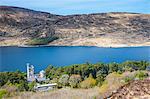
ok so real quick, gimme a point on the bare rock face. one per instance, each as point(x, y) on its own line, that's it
point(99, 29)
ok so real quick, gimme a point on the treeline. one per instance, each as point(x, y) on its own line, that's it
point(78, 75)
point(15, 82)
point(90, 74)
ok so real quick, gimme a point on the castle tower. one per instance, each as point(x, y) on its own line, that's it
point(30, 72)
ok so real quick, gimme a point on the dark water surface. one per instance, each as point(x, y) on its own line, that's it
point(15, 58)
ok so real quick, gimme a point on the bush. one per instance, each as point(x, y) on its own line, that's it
point(141, 75)
point(12, 77)
point(128, 79)
point(113, 67)
point(22, 86)
point(100, 78)
point(31, 86)
point(10, 89)
point(88, 83)
point(104, 88)
point(2, 93)
point(135, 65)
point(64, 80)
point(74, 80)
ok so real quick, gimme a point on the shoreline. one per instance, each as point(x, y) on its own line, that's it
point(28, 46)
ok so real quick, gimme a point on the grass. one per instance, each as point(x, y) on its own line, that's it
point(41, 41)
point(64, 93)
point(111, 83)
point(104, 87)
point(114, 81)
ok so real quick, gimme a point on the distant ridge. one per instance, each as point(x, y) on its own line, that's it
point(20, 25)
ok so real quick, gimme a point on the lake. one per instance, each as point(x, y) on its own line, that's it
point(15, 58)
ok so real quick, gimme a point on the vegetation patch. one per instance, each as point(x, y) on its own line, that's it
point(112, 82)
point(104, 87)
point(74, 80)
point(141, 75)
point(2, 93)
point(89, 82)
point(108, 77)
point(41, 41)
point(128, 79)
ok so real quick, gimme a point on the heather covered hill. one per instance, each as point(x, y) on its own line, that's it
point(18, 26)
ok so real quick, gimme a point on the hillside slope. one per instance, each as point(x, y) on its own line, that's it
point(20, 25)
point(133, 90)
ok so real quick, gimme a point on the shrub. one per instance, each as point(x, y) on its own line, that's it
point(128, 79)
point(141, 75)
point(104, 88)
point(31, 86)
point(22, 86)
point(12, 78)
point(88, 83)
point(100, 78)
point(2, 93)
point(113, 67)
point(10, 89)
point(74, 80)
point(64, 80)
point(135, 65)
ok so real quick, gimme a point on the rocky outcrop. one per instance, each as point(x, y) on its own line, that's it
point(133, 90)
point(99, 29)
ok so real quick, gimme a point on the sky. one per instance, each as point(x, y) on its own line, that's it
point(68, 7)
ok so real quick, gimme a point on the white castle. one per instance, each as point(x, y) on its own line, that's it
point(34, 77)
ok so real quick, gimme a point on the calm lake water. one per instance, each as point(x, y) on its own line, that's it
point(15, 58)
